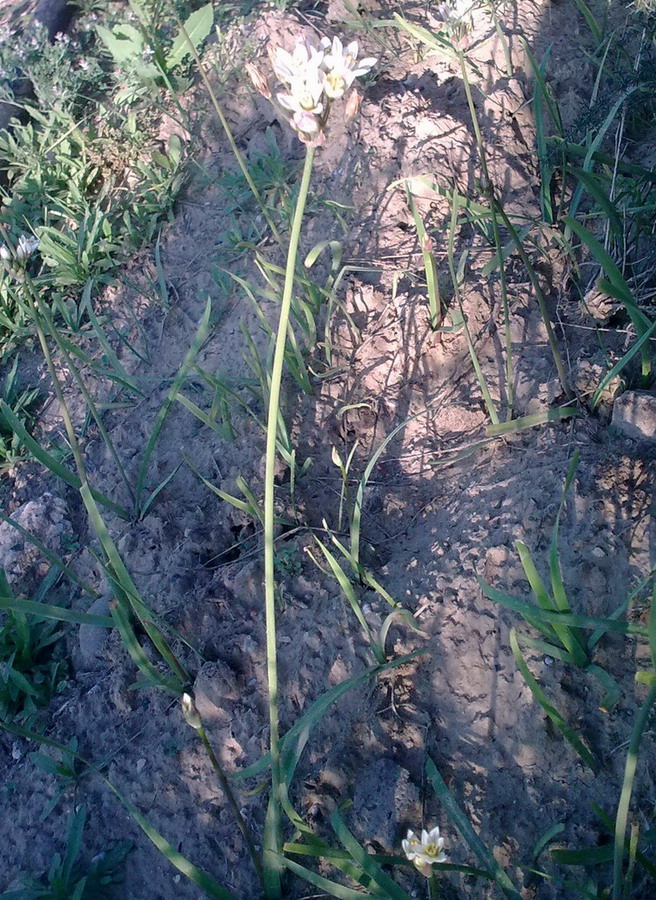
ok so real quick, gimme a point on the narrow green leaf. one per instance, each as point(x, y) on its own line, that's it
point(50, 555)
point(349, 593)
point(566, 730)
point(621, 364)
point(630, 767)
point(462, 823)
point(53, 464)
point(388, 887)
point(588, 856)
point(570, 620)
point(556, 414)
point(329, 887)
point(295, 739)
point(188, 362)
point(59, 613)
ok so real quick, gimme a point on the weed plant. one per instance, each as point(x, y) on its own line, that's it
point(32, 666)
point(68, 878)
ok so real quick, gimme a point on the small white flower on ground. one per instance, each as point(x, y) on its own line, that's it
point(425, 851)
point(342, 66)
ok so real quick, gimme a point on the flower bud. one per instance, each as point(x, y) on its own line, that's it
point(352, 106)
point(190, 712)
point(260, 83)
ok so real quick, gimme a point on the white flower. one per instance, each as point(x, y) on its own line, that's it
point(423, 853)
point(304, 96)
point(26, 246)
point(342, 66)
point(456, 12)
point(313, 77)
point(304, 101)
point(301, 64)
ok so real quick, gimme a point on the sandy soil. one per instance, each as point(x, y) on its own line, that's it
point(431, 527)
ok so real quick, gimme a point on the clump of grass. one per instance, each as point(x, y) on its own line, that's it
point(32, 665)
point(69, 878)
point(22, 404)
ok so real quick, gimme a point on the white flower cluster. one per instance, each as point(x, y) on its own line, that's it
point(314, 77)
point(24, 249)
point(458, 14)
point(425, 851)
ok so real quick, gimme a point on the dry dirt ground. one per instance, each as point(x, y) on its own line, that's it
point(429, 531)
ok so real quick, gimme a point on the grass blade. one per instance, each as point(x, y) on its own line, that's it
point(53, 464)
point(365, 861)
point(462, 823)
point(181, 863)
point(187, 364)
point(622, 816)
point(329, 887)
point(621, 364)
point(59, 613)
point(50, 555)
point(567, 731)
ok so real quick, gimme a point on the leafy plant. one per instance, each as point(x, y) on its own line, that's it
point(67, 771)
point(70, 879)
point(564, 638)
point(22, 404)
point(30, 670)
point(146, 63)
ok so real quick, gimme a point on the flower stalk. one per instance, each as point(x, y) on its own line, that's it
point(274, 850)
point(313, 78)
point(191, 714)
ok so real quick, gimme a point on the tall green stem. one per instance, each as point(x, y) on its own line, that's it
point(273, 843)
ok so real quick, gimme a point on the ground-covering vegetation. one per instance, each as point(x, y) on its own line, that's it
point(112, 145)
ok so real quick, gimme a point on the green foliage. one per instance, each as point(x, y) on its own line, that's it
point(62, 74)
point(22, 404)
point(147, 57)
point(67, 772)
point(31, 667)
point(559, 639)
point(70, 879)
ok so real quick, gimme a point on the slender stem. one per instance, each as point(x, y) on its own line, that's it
point(227, 129)
point(485, 391)
point(497, 207)
point(627, 789)
point(227, 790)
point(433, 887)
point(269, 496)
